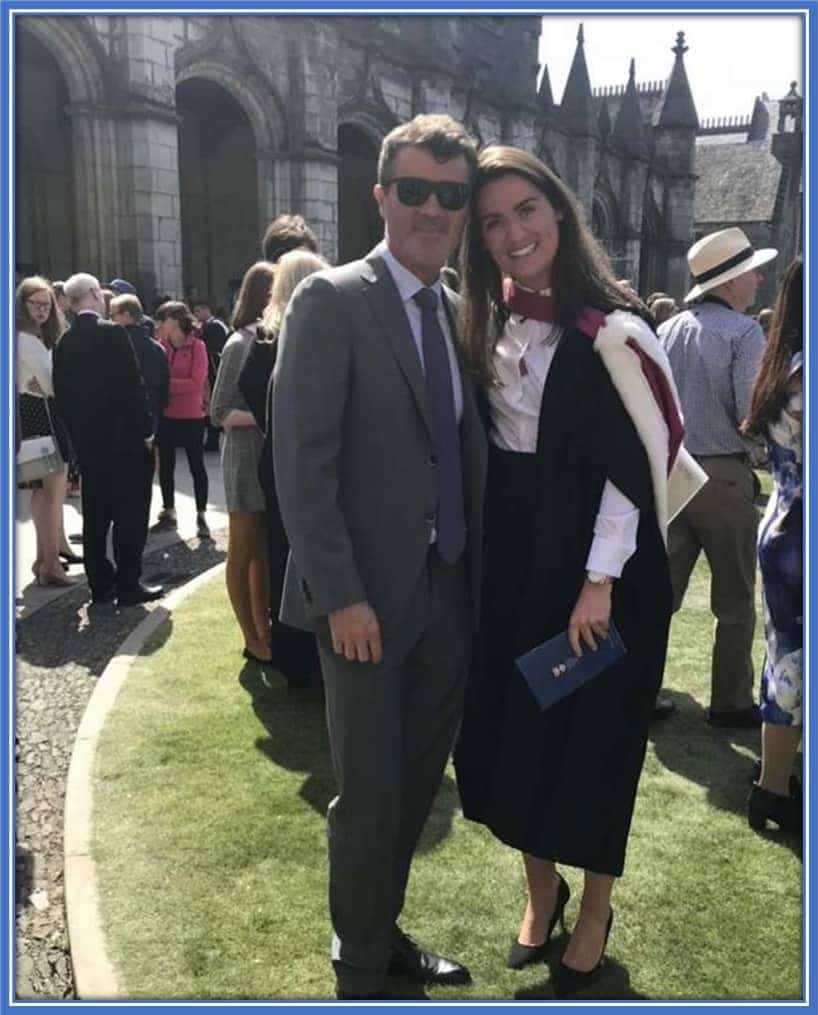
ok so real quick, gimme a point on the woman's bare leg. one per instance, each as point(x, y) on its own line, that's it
point(779, 745)
point(588, 936)
point(48, 520)
point(240, 553)
point(542, 884)
point(260, 577)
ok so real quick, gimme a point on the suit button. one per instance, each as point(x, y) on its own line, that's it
point(432, 461)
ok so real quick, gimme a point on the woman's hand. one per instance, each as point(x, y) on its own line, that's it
point(33, 387)
point(591, 616)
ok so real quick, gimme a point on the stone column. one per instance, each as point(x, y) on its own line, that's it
point(93, 142)
point(147, 138)
point(154, 245)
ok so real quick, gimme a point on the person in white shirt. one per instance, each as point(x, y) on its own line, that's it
point(39, 324)
point(583, 425)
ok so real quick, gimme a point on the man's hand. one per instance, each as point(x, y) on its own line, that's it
point(591, 616)
point(356, 633)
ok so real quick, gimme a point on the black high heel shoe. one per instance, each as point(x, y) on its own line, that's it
point(70, 558)
point(567, 981)
point(764, 806)
point(521, 955)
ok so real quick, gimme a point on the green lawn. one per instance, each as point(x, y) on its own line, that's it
point(210, 792)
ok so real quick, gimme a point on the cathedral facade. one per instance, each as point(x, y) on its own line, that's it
point(157, 148)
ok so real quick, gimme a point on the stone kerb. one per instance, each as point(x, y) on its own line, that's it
point(95, 977)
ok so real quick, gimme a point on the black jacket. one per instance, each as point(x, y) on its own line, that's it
point(155, 370)
point(99, 390)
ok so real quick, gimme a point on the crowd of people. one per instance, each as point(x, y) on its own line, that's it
point(423, 485)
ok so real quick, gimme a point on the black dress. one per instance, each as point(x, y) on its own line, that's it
point(294, 652)
point(561, 784)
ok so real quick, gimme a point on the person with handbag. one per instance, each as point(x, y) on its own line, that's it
point(45, 448)
point(183, 419)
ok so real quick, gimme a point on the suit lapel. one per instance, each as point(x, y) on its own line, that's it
point(384, 298)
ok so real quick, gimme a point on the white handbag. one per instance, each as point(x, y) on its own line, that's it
point(38, 457)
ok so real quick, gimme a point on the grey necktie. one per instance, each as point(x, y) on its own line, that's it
point(451, 528)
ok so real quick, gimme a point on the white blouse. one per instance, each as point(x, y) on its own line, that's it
point(522, 359)
point(33, 363)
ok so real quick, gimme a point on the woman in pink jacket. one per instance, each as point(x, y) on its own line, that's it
point(183, 421)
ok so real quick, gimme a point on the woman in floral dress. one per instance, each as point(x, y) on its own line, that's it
point(775, 415)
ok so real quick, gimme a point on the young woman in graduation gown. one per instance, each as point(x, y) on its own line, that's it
point(583, 426)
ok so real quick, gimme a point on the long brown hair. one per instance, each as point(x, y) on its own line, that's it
point(253, 295)
point(786, 337)
point(581, 274)
point(53, 326)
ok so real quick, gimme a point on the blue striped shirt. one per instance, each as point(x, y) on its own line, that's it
point(714, 354)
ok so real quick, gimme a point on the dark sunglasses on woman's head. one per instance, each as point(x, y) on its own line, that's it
point(414, 192)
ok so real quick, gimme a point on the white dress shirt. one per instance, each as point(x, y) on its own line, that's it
point(522, 359)
point(408, 284)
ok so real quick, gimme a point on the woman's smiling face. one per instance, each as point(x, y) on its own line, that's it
point(520, 229)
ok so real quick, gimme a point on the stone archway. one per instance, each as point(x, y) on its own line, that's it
point(359, 223)
point(45, 213)
point(218, 184)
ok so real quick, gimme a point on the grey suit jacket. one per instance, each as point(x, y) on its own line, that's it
point(353, 452)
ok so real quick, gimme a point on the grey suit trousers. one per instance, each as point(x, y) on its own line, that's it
point(391, 728)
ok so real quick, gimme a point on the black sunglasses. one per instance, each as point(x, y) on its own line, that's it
point(414, 192)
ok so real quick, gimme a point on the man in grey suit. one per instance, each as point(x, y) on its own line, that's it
point(380, 461)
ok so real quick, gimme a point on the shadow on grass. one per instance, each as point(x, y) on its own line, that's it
point(712, 757)
point(688, 745)
point(71, 629)
point(297, 741)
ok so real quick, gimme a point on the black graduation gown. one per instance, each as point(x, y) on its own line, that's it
point(561, 784)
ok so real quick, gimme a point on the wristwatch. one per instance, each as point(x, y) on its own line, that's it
point(598, 578)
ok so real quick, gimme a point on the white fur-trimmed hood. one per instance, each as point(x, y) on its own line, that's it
point(625, 369)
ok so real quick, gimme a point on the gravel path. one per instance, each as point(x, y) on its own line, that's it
point(61, 651)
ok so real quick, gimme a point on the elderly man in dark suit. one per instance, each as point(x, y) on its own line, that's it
point(102, 398)
point(380, 461)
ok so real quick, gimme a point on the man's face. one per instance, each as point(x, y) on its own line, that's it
point(741, 291)
point(423, 236)
point(202, 312)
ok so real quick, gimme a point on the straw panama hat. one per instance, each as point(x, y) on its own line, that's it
point(721, 256)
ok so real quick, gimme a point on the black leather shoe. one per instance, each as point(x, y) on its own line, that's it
point(663, 707)
point(521, 955)
point(737, 718)
point(425, 967)
point(784, 811)
point(567, 981)
point(104, 596)
point(342, 995)
point(141, 594)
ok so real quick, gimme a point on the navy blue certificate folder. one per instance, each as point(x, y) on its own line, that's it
point(552, 671)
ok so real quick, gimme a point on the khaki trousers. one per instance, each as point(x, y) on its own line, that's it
point(722, 520)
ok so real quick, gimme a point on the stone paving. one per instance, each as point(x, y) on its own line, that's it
point(61, 651)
